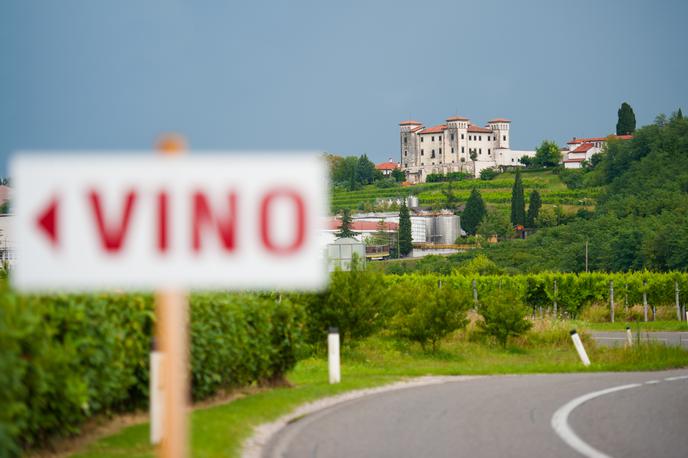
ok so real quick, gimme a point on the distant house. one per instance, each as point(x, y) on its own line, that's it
point(387, 167)
point(582, 149)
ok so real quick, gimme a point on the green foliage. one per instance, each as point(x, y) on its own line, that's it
point(518, 203)
point(534, 204)
point(345, 229)
point(355, 303)
point(626, 120)
point(405, 235)
point(474, 212)
point(428, 311)
point(546, 155)
point(386, 183)
point(398, 175)
point(488, 174)
point(495, 223)
point(503, 316)
point(451, 176)
point(480, 265)
point(66, 358)
point(365, 170)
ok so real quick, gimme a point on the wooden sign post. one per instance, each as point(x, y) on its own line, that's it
point(172, 331)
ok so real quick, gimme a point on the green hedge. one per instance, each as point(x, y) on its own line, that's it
point(66, 358)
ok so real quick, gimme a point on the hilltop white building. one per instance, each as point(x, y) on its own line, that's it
point(447, 147)
point(582, 149)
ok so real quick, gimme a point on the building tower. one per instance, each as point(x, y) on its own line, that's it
point(409, 143)
point(500, 127)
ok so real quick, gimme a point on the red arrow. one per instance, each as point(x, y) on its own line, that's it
point(47, 221)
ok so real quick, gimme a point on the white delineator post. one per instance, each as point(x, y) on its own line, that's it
point(629, 337)
point(579, 348)
point(333, 355)
point(156, 396)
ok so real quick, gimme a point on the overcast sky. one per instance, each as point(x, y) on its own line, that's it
point(328, 76)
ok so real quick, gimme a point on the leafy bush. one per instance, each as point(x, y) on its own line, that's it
point(66, 358)
point(503, 315)
point(355, 303)
point(488, 174)
point(429, 311)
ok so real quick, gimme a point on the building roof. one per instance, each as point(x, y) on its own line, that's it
point(478, 129)
point(434, 130)
point(575, 140)
point(579, 159)
point(416, 129)
point(410, 122)
point(499, 120)
point(389, 165)
point(363, 226)
point(583, 148)
point(457, 118)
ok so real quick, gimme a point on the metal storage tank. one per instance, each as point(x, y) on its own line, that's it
point(447, 229)
point(412, 201)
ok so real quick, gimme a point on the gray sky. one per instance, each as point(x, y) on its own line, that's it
point(328, 76)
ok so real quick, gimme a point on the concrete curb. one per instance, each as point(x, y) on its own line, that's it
point(253, 446)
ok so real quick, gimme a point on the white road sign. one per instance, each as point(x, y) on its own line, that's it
point(146, 222)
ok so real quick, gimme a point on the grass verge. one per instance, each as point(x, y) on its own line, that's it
point(221, 430)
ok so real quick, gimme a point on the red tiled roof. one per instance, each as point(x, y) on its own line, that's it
point(408, 123)
point(416, 129)
point(434, 130)
point(457, 118)
point(335, 224)
point(599, 139)
point(389, 165)
point(499, 120)
point(478, 129)
point(583, 148)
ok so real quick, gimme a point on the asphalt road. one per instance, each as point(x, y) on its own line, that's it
point(618, 338)
point(560, 415)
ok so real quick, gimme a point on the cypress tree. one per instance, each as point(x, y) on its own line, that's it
point(474, 212)
point(679, 114)
point(345, 229)
point(626, 123)
point(518, 204)
point(533, 208)
point(405, 237)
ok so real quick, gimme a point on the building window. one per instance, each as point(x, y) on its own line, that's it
point(470, 137)
point(461, 136)
point(440, 150)
point(488, 151)
point(452, 162)
point(422, 138)
point(480, 151)
point(422, 153)
point(452, 137)
point(504, 137)
point(480, 138)
point(432, 155)
point(440, 138)
point(405, 140)
point(512, 159)
point(432, 139)
point(452, 150)
point(422, 163)
point(405, 153)
point(462, 149)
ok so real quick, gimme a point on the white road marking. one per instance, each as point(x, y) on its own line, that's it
point(652, 382)
point(680, 377)
point(561, 425)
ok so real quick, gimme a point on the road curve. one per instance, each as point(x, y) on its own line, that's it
point(504, 416)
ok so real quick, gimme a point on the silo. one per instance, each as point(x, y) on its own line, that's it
point(447, 229)
point(412, 201)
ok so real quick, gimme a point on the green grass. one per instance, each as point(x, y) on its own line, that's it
point(650, 326)
point(220, 430)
